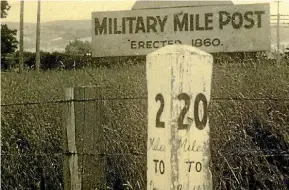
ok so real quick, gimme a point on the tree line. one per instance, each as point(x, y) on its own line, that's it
point(11, 57)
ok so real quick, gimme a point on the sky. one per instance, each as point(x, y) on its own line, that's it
point(81, 9)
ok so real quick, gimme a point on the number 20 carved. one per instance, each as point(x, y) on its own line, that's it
point(200, 123)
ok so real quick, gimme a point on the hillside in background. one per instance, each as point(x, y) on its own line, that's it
point(57, 34)
point(54, 35)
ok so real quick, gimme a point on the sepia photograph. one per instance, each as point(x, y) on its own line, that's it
point(144, 95)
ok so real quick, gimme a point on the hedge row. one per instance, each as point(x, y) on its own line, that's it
point(58, 60)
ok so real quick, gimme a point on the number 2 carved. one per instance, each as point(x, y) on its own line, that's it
point(186, 98)
point(159, 124)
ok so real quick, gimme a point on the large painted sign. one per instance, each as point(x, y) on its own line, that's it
point(226, 28)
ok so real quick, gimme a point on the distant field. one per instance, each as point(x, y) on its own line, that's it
point(246, 135)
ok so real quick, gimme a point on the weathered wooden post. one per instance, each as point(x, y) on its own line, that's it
point(179, 87)
point(83, 139)
point(72, 174)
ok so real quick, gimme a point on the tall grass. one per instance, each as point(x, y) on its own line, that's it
point(244, 134)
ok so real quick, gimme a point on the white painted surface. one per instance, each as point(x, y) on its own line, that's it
point(171, 71)
point(211, 29)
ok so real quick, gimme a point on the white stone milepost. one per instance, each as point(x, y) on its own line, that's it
point(179, 89)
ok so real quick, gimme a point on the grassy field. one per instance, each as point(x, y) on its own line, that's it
point(249, 138)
